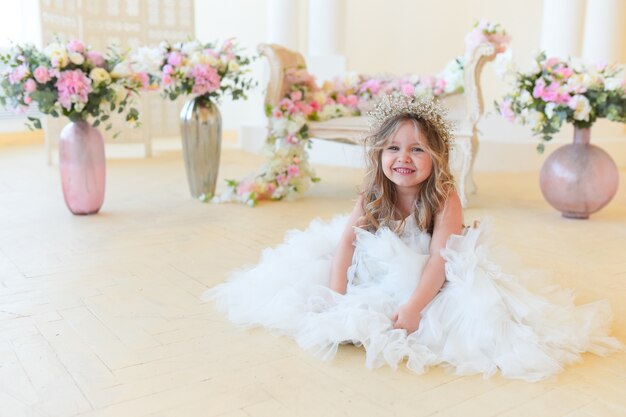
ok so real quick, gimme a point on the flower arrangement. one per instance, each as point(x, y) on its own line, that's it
point(202, 69)
point(68, 80)
point(556, 91)
point(485, 31)
point(287, 171)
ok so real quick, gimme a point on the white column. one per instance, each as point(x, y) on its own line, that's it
point(282, 23)
point(326, 53)
point(561, 27)
point(604, 36)
point(327, 21)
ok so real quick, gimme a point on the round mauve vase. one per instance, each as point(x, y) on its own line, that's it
point(579, 179)
point(82, 166)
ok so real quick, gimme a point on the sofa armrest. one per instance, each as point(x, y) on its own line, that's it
point(281, 60)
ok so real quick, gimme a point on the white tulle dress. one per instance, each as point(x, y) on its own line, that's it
point(482, 320)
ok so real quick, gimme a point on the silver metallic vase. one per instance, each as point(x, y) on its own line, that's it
point(201, 131)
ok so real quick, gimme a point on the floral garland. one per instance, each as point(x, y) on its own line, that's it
point(287, 171)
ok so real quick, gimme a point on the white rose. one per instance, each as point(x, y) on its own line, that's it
point(590, 80)
point(575, 84)
point(504, 65)
point(233, 66)
point(57, 54)
point(121, 70)
point(120, 93)
point(189, 47)
point(352, 79)
point(197, 58)
point(77, 58)
point(99, 76)
point(211, 60)
point(319, 97)
point(525, 98)
point(612, 83)
point(54, 48)
point(279, 127)
point(293, 126)
point(581, 106)
point(533, 118)
point(550, 110)
point(534, 69)
point(146, 59)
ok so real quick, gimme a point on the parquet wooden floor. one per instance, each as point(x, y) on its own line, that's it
point(102, 316)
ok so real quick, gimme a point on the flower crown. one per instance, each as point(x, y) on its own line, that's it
point(426, 109)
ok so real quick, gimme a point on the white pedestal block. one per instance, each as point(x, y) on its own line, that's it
point(252, 138)
point(326, 67)
point(338, 154)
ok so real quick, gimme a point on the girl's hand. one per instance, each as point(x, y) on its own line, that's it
point(406, 318)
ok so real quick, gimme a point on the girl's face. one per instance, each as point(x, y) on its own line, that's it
point(404, 159)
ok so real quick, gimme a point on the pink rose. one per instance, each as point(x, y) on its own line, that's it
point(281, 179)
point(550, 62)
point(372, 85)
point(293, 171)
point(352, 100)
point(563, 72)
point(296, 95)
point(407, 89)
point(76, 46)
point(27, 99)
point(41, 74)
point(30, 85)
point(245, 187)
point(539, 89)
point(440, 86)
point(73, 86)
point(277, 114)
point(206, 79)
point(168, 69)
point(175, 59)
point(507, 111)
point(167, 80)
point(18, 74)
point(95, 58)
point(143, 79)
point(551, 93)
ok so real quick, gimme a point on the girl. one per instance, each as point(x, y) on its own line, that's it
point(403, 278)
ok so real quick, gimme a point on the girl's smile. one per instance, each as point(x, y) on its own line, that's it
point(404, 159)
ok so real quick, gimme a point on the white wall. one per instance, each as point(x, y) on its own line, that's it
point(392, 36)
point(245, 20)
point(388, 36)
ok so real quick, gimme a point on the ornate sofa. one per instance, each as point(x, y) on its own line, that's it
point(465, 109)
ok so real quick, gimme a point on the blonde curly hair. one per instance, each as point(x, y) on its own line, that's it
point(378, 193)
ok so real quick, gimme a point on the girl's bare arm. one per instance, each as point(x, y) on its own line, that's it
point(449, 221)
point(344, 252)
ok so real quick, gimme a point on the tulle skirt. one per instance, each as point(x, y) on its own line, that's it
point(482, 320)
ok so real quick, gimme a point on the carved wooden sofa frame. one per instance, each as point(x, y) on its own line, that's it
point(466, 110)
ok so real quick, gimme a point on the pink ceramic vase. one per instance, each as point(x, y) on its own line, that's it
point(82, 165)
point(580, 178)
